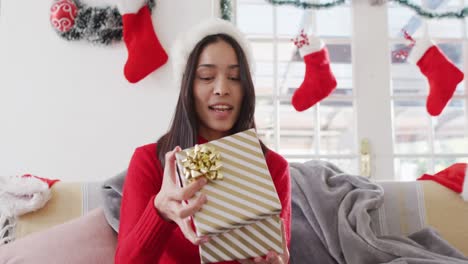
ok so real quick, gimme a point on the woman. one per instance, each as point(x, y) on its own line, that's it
point(216, 99)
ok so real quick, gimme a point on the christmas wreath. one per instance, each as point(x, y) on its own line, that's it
point(73, 20)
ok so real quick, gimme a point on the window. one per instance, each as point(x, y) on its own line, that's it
point(378, 97)
point(423, 143)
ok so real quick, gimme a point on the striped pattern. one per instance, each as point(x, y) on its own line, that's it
point(403, 210)
point(246, 242)
point(245, 194)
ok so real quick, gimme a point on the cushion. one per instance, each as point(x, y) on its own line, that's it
point(411, 206)
point(69, 200)
point(87, 239)
point(447, 212)
point(64, 205)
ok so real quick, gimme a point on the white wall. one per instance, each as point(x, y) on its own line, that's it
point(66, 110)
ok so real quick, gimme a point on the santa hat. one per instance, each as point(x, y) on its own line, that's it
point(186, 42)
point(453, 178)
point(18, 196)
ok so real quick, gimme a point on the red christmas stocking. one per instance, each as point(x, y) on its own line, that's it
point(442, 74)
point(145, 52)
point(319, 80)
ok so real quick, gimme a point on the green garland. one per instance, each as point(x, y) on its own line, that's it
point(306, 5)
point(226, 8)
point(424, 13)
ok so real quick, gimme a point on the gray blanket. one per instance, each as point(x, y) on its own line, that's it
point(112, 190)
point(331, 221)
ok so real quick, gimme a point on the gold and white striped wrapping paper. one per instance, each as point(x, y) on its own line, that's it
point(245, 194)
point(246, 242)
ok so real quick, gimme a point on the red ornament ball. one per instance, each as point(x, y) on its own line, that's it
point(63, 14)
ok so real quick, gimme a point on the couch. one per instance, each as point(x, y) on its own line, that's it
point(72, 228)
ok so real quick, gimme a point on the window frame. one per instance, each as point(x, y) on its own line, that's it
point(371, 46)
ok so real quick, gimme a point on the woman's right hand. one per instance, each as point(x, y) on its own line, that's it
point(170, 200)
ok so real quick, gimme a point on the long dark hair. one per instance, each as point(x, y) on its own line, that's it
point(183, 131)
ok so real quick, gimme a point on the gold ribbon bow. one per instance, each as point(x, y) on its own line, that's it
point(202, 161)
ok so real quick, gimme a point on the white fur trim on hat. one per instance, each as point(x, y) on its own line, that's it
point(130, 6)
point(186, 42)
point(315, 44)
point(419, 49)
point(20, 195)
point(464, 192)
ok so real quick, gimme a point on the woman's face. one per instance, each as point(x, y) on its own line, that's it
point(217, 90)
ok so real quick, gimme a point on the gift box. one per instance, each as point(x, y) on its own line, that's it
point(243, 191)
point(245, 242)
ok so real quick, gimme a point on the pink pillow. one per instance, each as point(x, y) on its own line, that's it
point(88, 239)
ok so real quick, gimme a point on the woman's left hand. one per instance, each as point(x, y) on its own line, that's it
point(271, 258)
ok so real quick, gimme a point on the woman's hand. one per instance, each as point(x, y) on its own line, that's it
point(271, 257)
point(170, 201)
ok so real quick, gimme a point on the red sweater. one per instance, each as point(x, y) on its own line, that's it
point(144, 237)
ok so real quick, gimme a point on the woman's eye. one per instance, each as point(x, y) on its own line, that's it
point(234, 78)
point(205, 78)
